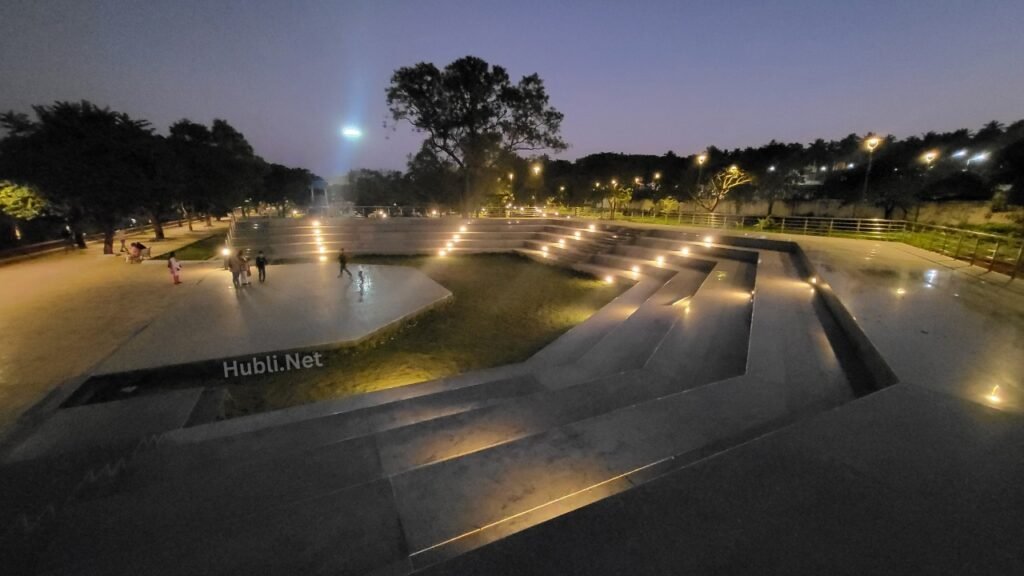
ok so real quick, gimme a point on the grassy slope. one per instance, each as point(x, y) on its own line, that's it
point(202, 250)
point(505, 309)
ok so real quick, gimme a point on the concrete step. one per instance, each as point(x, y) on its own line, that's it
point(629, 345)
point(354, 530)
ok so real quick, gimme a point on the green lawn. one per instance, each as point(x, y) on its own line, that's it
point(202, 250)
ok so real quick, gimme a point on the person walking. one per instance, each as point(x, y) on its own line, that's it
point(235, 264)
point(246, 271)
point(343, 263)
point(261, 266)
point(175, 267)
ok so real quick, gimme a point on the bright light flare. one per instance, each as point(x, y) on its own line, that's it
point(591, 227)
point(225, 251)
point(685, 251)
point(351, 133)
point(660, 260)
point(609, 280)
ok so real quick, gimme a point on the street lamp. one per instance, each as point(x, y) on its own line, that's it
point(929, 157)
point(701, 159)
point(870, 143)
point(536, 169)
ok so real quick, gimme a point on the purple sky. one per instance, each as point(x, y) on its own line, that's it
point(642, 77)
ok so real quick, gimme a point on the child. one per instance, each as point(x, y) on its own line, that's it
point(175, 267)
point(261, 266)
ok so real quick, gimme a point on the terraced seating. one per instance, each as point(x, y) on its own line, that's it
point(697, 356)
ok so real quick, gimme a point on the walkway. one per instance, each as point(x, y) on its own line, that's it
point(62, 314)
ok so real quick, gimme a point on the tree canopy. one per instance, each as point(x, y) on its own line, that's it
point(472, 113)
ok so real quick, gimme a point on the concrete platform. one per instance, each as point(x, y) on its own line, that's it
point(300, 307)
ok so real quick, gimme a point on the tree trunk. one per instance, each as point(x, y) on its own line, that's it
point(771, 204)
point(467, 187)
point(158, 228)
point(108, 239)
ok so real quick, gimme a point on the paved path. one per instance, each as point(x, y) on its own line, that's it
point(62, 314)
point(301, 306)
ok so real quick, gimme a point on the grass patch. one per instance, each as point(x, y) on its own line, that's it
point(202, 250)
point(505, 308)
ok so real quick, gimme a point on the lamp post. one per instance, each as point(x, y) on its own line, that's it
point(870, 143)
point(701, 159)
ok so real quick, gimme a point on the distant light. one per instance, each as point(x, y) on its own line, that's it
point(708, 239)
point(323, 258)
point(823, 169)
point(979, 157)
point(433, 212)
point(660, 260)
point(561, 242)
point(442, 252)
point(960, 153)
point(322, 249)
point(316, 223)
point(901, 291)
point(635, 269)
point(685, 250)
point(814, 279)
point(771, 168)
point(591, 228)
point(351, 133)
point(457, 237)
point(609, 279)
point(225, 251)
point(850, 166)
point(544, 249)
point(576, 234)
point(449, 245)
point(462, 228)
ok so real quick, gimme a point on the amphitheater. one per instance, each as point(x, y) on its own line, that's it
point(749, 404)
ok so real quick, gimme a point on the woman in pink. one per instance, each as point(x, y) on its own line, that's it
point(175, 267)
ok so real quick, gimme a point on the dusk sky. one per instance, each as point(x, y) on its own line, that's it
point(640, 77)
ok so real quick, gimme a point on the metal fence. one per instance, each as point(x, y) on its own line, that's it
point(995, 252)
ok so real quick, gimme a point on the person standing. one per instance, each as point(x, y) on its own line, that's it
point(261, 266)
point(175, 267)
point(246, 271)
point(235, 264)
point(343, 263)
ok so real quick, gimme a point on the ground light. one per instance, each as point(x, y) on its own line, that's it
point(225, 251)
point(323, 258)
point(577, 235)
point(660, 260)
point(462, 228)
point(685, 251)
point(993, 396)
point(609, 279)
point(635, 269)
point(442, 252)
point(591, 228)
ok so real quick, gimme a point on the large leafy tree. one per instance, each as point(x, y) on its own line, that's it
point(219, 169)
point(80, 157)
point(471, 113)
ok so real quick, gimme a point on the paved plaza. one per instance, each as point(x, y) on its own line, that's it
point(61, 315)
point(747, 405)
point(300, 307)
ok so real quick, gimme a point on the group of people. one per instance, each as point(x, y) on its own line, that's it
point(135, 253)
point(241, 269)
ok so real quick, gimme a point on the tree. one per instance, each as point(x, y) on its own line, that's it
point(471, 112)
point(720, 185)
point(21, 202)
point(78, 156)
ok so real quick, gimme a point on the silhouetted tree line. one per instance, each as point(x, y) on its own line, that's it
point(987, 164)
point(92, 168)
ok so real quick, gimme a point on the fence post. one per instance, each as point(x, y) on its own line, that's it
point(783, 223)
point(995, 253)
point(974, 254)
point(805, 226)
point(858, 225)
point(830, 222)
point(959, 243)
point(1016, 265)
